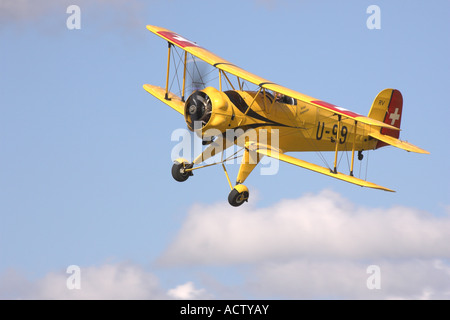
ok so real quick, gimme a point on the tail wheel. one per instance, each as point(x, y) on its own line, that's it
point(179, 172)
point(238, 195)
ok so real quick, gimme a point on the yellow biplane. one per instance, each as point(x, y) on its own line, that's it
point(299, 122)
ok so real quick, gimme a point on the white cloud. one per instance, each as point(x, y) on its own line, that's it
point(23, 10)
point(118, 14)
point(347, 279)
point(187, 291)
point(108, 281)
point(120, 281)
point(314, 226)
point(297, 279)
point(317, 246)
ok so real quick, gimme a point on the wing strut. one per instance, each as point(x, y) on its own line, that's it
point(353, 149)
point(228, 80)
point(184, 76)
point(250, 105)
point(168, 68)
point(337, 143)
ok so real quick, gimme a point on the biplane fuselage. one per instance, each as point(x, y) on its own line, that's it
point(298, 122)
point(301, 127)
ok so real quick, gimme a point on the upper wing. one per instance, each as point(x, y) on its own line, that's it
point(204, 54)
point(227, 66)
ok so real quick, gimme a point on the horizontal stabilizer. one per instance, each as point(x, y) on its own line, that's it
point(397, 142)
point(320, 169)
point(173, 101)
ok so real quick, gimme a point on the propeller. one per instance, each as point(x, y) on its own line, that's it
point(198, 70)
point(198, 108)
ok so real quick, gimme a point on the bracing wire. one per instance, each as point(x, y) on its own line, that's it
point(367, 163)
point(177, 65)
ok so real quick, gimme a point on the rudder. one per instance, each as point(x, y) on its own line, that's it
point(387, 107)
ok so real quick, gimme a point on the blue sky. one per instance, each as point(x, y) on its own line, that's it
point(85, 155)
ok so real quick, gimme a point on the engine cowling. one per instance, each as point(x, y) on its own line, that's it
point(206, 110)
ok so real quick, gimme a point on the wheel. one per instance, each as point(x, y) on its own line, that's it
point(238, 195)
point(360, 155)
point(178, 170)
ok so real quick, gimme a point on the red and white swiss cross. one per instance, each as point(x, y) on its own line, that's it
point(177, 39)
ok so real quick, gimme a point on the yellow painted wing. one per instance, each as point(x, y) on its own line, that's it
point(397, 142)
point(222, 64)
point(316, 168)
point(174, 101)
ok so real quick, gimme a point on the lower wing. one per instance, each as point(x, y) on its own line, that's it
point(267, 151)
point(173, 101)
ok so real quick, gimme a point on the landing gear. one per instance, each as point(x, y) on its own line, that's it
point(179, 172)
point(182, 169)
point(360, 155)
point(238, 195)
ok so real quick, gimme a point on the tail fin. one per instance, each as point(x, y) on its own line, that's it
point(387, 107)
